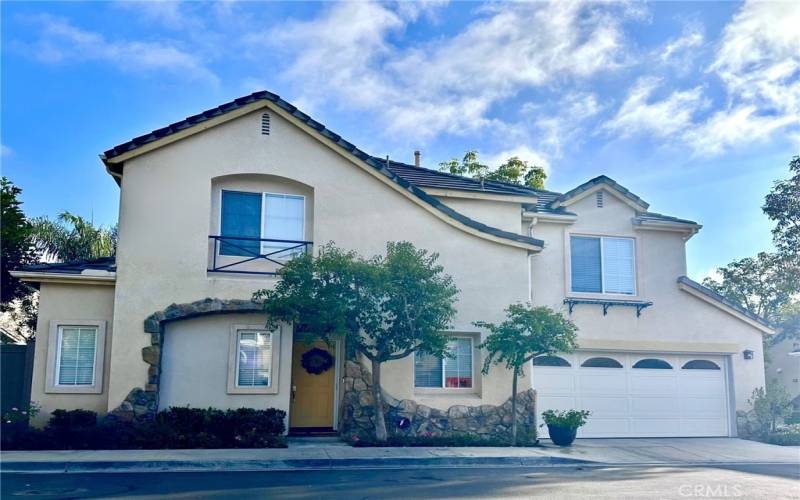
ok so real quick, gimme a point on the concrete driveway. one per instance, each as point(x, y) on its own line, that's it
point(675, 451)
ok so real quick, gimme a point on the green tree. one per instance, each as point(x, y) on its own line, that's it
point(526, 332)
point(513, 171)
point(72, 238)
point(788, 323)
point(771, 405)
point(762, 284)
point(17, 244)
point(782, 205)
point(468, 166)
point(386, 307)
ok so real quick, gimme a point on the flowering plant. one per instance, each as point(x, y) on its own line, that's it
point(20, 415)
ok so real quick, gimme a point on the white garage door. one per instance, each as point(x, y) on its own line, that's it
point(637, 395)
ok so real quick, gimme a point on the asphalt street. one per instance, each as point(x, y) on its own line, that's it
point(741, 482)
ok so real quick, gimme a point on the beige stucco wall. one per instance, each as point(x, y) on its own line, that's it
point(676, 316)
point(500, 214)
point(195, 361)
point(785, 368)
point(64, 303)
point(165, 209)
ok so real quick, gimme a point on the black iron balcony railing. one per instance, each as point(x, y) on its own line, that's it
point(236, 254)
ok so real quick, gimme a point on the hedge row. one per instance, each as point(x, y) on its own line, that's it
point(172, 428)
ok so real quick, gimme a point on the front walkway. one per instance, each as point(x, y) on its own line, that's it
point(330, 454)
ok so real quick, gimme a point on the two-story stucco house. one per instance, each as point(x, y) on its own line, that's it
point(212, 205)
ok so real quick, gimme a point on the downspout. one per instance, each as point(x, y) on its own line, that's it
point(530, 261)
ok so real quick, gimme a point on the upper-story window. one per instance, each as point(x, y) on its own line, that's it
point(601, 264)
point(260, 223)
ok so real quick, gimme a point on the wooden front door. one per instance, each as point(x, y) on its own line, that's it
point(312, 394)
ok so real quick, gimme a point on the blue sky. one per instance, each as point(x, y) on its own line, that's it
point(693, 106)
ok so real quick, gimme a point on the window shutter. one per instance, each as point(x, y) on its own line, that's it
point(255, 359)
point(76, 356)
point(241, 218)
point(427, 370)
point(618, 273)
point(585, 264)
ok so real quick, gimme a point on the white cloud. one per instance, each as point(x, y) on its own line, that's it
point(522, 152)
point(680, 50)
point(758, 61)
point(640, 114)
point(172, 14)
point(60, 41)
point(450, 84)
point(563, 123)
point(5, 150)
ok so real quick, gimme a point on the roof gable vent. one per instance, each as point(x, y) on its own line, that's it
point(599, 197)
point(265, 124)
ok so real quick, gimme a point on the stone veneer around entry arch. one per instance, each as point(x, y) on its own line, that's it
point(142, 403)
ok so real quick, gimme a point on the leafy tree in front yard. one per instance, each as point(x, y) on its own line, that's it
point(762, 284)
point(17, 245)
point(386, 307)
point(71, 238)
point(527, 332)
point(782, 205)
point(514, 171)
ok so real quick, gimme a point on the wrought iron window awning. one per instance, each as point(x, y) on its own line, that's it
point(606, 303)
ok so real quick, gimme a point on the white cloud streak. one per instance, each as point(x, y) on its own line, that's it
point(757, 61)
point(59, 41)
point(662, 118)
point(450, 84)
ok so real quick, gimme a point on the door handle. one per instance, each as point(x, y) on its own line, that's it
point(294, 391)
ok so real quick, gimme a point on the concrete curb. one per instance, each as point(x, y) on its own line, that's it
point(77, 467)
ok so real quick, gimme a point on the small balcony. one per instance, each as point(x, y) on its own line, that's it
point(242, 255)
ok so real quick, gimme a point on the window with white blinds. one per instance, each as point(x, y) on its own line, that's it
point(254, 364)
point(602, 265)
point(454, 371)
point(284, 219)
point(76, 352)
point(247, 217)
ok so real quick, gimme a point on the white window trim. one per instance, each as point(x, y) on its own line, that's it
point(53, 359)
point(568, 275)
point(233, 361)
point(261, 226)
point(443, 388)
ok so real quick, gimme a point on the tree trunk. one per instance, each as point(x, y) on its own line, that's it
point(377, 400)
point(514, 410)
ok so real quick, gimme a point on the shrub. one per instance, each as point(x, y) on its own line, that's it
point(785, 436)
point(571, 419)
point(177, 427)
point(770, 406)
point(73, 429)
point(794, 418)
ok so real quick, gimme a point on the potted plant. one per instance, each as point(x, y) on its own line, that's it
point(563, 425)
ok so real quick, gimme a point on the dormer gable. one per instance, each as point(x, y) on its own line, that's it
point(603, 184)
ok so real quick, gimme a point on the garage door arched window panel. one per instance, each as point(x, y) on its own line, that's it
point(700, 364)
point(601, 362)
point(550, 361)
point(653, 364)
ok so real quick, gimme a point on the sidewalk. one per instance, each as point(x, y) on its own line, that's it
point(332, 454)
